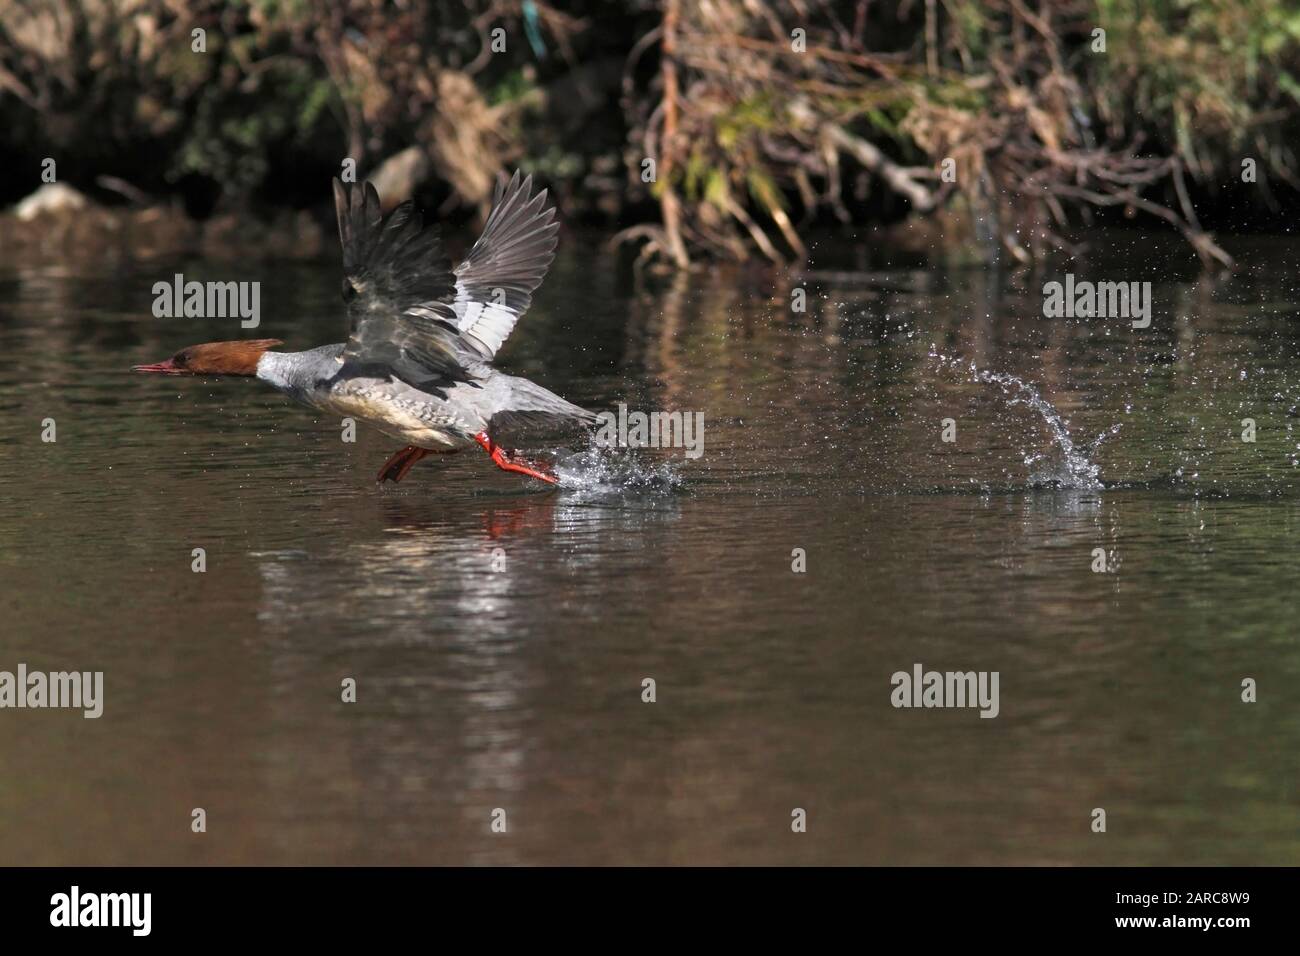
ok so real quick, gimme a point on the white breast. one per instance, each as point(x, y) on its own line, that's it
point(413, 424)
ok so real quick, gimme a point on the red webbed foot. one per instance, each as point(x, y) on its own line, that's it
point(395, 468)
point(538, 470)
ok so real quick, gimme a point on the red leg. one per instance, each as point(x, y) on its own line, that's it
point(505, 463)
point(395, 468)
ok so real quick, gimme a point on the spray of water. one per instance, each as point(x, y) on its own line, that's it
point(1068, 466)
point(597, 471)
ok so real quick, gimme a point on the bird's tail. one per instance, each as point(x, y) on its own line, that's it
point(530, 405)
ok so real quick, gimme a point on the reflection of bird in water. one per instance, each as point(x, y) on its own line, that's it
point(417, 364)
point(447, 647)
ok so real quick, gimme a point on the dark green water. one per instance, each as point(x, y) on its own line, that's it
point(499, 633)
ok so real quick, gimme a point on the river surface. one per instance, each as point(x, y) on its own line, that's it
point(500, 633)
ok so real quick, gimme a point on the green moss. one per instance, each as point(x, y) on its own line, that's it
point(512, 87)
point(755, 114)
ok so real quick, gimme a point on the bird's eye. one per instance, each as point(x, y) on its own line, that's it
point(349, 291)
point(181, 359)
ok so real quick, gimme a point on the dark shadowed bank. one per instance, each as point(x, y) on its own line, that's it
point(729, 129)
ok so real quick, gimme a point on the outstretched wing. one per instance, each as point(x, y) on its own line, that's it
point(495, 283)
point(399, 289)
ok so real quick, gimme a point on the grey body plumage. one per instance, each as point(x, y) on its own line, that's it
point(435, 417)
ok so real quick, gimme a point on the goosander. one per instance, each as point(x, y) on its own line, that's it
point(417, 362)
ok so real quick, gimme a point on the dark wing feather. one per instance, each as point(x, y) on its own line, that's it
point(399, 288)
point(495, 283)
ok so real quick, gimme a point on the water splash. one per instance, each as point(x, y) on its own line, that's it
point(1070, 466)
point(598, 470)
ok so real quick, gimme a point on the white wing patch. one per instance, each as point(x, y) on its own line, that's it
point(495, 283)
point(488, 324)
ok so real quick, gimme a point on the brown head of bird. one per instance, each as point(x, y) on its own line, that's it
point(238, 357)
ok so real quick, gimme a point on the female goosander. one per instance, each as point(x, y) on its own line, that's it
point(417, 362)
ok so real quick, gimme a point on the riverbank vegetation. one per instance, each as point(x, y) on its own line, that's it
point(701, 129)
